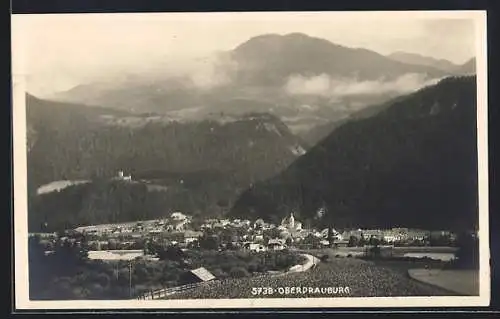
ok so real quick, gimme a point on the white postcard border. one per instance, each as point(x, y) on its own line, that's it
point(20, 187)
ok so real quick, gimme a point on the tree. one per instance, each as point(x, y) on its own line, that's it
point(209, 242)
point(353, 241)
point(172, 252)
point(228, 235)
point(362, 241)
point(67, 257)
point(312, 241)
point(468, 251)
point(39, 274)
point(331, 235)
point(373, 241)
point(271, 234)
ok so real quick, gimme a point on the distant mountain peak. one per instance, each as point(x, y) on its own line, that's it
point(297, 35)
point(419, 59)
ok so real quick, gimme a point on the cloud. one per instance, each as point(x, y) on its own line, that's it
point(328, 86)
point(209, 74)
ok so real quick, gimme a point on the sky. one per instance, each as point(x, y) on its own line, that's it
point(57, 52)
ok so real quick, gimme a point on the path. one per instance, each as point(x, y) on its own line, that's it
point(463, 282)
point(311, 262)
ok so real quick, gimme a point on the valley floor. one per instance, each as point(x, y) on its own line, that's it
point(349, 277)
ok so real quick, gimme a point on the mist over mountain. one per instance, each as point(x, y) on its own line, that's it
point(306, 81)
point(270, 59)
point(412, 164)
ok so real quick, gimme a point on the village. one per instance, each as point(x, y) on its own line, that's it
point(181, 230)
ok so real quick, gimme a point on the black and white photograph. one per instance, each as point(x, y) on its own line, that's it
point(251, 159)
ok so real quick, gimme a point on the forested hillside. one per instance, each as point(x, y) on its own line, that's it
point(200, 162)
point(413, 164)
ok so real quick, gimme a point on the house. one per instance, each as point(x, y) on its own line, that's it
point(255, 247)
point(178, 216)
point(390, 238)
point(373, 233)
point(276, 244)
point(246, 223)
point(417, 234)
point(341, 243)
point(324, 243)
point(123, 177)
point(180, 225)
point(258, 237)
point(196, 276)
point(98, 245)
point(302, 234)
point(224, 222)
point(259, 223)
point(284, 234)
point(191, 236)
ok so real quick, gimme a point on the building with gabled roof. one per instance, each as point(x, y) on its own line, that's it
point(197, 275)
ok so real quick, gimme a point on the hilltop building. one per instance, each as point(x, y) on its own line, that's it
point(123, 177)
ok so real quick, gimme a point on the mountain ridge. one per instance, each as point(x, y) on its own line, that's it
point(279, 72)
point(418, 59)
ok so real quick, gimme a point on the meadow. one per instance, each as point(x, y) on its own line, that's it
point(363, 279)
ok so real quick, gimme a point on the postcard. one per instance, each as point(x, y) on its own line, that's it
point(250, 160)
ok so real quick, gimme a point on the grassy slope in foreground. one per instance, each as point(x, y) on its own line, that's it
point(364, 279)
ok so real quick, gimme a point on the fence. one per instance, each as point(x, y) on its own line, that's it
point(162, 293)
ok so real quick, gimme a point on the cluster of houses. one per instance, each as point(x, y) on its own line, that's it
point(177, 222)
point(178, 229)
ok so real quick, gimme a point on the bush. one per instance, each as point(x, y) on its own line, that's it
point(171, 253)
point(324, 258)
point(252, 267)
point(353, 241)
point(219, 273)
point(238, 272)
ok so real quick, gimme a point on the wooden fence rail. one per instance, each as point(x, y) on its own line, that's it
point(163, 292)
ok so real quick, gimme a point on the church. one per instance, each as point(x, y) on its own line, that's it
point(290, 223)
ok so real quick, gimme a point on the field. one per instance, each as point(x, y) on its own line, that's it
point(363, 279)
